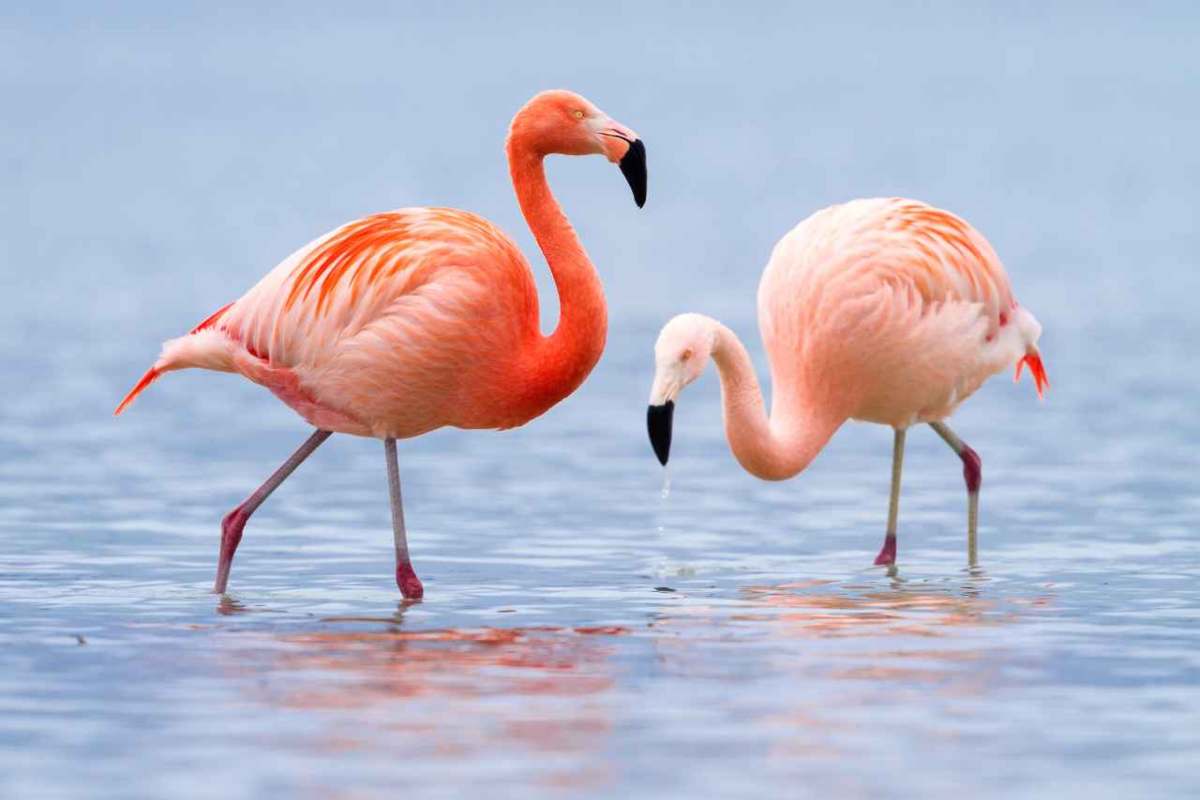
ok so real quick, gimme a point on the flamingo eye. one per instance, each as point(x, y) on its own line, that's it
point(686, 355)
point(577, 114)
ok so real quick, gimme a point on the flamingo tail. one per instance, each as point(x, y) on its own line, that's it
point(150, 377)
point(1036, 369)
point(198, 349)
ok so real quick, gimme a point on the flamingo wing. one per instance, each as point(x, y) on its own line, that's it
point(400, 287)
point(897, 305)
point(949, 261)
point(331, 290)
point(898, 244)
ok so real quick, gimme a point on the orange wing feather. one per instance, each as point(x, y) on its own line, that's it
point(977, 263)
point(346, 251)
point(940, 233)
point(212, 319)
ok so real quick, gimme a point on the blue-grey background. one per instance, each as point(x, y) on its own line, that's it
point(580, 634)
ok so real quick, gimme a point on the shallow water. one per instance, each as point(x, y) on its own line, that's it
point(581, 633)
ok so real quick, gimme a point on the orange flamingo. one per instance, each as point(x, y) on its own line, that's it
point(411, 320)
point(882, 310)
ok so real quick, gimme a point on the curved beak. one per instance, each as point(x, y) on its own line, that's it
point(658, 425)
point(622, 146)
point(633, 167)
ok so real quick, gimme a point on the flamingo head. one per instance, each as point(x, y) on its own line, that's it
point(682, 352)
point(558, 121)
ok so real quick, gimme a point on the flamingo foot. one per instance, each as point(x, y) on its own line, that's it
point(887, 554)
point(409, 583)
point(232, 526)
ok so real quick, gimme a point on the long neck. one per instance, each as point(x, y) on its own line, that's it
point(555, 365)
point(772, 448)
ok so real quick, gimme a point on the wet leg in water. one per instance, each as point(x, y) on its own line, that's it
point(887, 553)
point(406, 577)
point(973, 475)
point(235, 521)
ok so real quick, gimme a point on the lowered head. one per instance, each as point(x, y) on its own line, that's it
point(681, 353)
point(558, 121)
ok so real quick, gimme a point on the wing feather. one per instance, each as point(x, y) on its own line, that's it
point(335, 287)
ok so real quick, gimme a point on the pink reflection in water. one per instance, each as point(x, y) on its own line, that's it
point(534, 693)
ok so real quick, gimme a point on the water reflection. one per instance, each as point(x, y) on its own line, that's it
point(821, 608)
point(915, 637)
point(541, 694)
point(924, 633)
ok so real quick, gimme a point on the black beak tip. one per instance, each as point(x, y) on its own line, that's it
point(658, 424)
point(633, 167)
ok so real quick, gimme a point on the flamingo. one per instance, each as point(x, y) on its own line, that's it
point(881, 310)
point(410, 320)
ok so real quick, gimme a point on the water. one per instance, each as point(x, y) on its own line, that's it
point(582, 635)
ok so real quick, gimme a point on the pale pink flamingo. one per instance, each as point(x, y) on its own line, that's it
point(411, 320)
point(882, 310)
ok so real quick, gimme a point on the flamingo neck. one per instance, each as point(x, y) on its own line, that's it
point(772, 448)
point(555, 365)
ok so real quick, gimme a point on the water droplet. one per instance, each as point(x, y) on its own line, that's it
point(666, 487)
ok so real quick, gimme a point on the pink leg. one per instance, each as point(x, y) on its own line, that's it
point(406, 577)
point(235, 521)
point(973, 476)
point(887, 553)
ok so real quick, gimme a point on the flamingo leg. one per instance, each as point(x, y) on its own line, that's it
point(406, 577)
point(973, 475)
point(887, 553)
point(235, 521)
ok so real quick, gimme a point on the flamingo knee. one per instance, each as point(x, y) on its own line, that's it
point(972, 469)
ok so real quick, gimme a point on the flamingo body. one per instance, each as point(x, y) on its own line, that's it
point(389, 326)
point(410, 320)
point(889, 311)
point(881, 310)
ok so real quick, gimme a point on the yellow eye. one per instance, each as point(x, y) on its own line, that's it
point(577, 114)
point(685, 355)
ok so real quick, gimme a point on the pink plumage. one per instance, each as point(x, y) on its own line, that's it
point(391, 325)
point(410, 320)
point(880, 310)
point(901, 311)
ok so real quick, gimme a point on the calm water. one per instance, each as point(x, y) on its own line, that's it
point(580, 634)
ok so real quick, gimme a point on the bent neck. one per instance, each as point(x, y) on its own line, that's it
point(773, 448)
point(555, 365)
